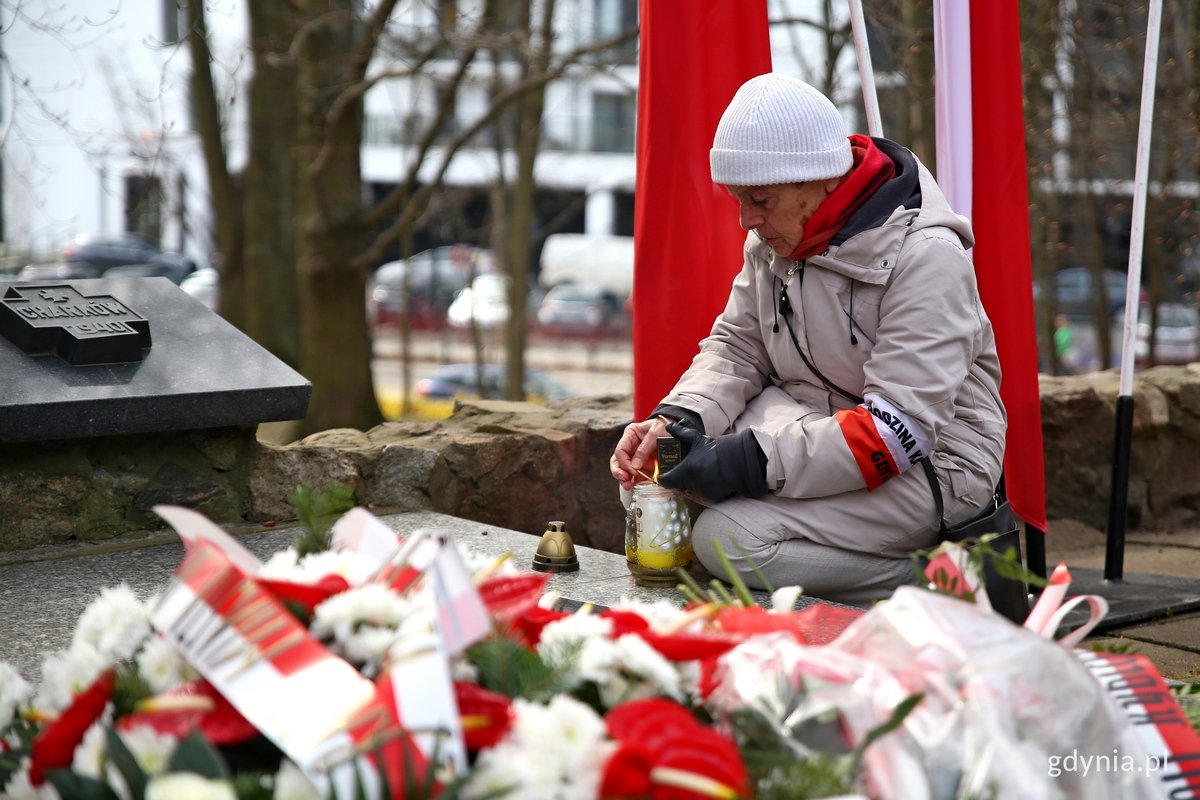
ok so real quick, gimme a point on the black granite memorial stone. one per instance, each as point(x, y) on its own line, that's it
point(201, 372)
point(56, 319)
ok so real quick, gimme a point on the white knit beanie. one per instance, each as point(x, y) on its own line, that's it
point(778, 129)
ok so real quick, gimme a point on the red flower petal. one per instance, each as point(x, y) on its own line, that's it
point(659, 733)
point(692, 646)
point(486, 715)
point(221, 725)
point(510, 596)
point(307, 595)
point(55, 745)
point(705, 752)
point(649, 723)
point(624, 622)
point(527, 628)
point(626, 774)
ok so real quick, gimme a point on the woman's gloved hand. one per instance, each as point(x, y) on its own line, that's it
point(717, 468)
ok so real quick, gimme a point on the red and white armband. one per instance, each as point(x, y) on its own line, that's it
point(884, 440)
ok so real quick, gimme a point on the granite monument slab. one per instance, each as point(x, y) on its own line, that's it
point(69, 371)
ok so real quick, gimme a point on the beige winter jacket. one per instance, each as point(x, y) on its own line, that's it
point(898, 282)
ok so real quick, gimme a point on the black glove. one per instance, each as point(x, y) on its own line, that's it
point(717, 468)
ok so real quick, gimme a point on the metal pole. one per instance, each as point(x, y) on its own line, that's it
point(866, 75)
point(1114, 554)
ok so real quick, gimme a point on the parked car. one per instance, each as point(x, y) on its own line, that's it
point(203, 285)
point(173, 271)
point(577, 308)
point(1074, 288)
point(461, 380)
point(433, 396)
point(437, 275)
point(483, 303)
point(585, 258)
point(1178, 336)
point(58, 271)
point(103, 252)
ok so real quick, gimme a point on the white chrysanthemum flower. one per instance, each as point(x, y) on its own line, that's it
point(361, 622)
point(292, 784)
point(163, 666)
point(553, 752)
point(356, 568)
point(19, 787)
point(561, 641)
point(14, 691)
point(188, 786)
point(281, 565)
point(65, 674)
point(152, 750)
point(661, 614)
point(647, 672)
point(114, 624)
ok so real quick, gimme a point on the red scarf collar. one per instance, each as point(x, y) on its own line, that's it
point(872, 168)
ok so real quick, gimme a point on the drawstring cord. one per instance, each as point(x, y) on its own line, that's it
point(850, 316)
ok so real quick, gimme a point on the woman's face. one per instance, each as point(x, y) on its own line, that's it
point(779, 212)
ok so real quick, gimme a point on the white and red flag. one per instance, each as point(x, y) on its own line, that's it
point(981, 166)
point(687, 243)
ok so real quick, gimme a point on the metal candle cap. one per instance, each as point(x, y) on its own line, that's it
point(556, 551)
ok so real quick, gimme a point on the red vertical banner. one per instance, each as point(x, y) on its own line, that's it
point(1000, 218)
point(687, 242)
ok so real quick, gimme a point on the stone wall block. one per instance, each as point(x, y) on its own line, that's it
point(401, 478)
point(280, 470)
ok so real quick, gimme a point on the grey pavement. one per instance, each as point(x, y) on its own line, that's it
point(41, 600)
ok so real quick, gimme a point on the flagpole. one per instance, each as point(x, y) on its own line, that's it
point(1114, 553)
point(866, 76)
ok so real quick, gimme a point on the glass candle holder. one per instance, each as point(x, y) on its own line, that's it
point(661, 539)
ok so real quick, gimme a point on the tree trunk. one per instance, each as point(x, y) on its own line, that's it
point(519, 230)
point(335, 349)
point(224, 187)
point(272, 171)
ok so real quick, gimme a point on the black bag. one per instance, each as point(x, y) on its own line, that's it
point(1009, 597)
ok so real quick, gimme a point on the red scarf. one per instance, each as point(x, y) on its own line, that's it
point(872, 168)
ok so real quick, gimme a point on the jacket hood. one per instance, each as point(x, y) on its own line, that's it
point(911, 189)
point(911, 201)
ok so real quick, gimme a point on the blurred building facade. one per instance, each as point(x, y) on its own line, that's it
point(96, 135)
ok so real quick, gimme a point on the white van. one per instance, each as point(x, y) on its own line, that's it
point(580, 258)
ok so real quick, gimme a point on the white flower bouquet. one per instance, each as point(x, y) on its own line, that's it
point(371, 665)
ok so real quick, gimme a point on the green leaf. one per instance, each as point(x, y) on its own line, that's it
point(755, 568)
point(1188, 697)
point(317, 510)
point(128, 689)
point(79, 787)
point(507, 667)
point(195, 754)
point(126, 764)
point(252, 786)
point(892, 723)
point(739, 586)
point(818, 776)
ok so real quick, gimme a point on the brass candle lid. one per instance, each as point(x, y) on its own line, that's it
point(556, 551)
